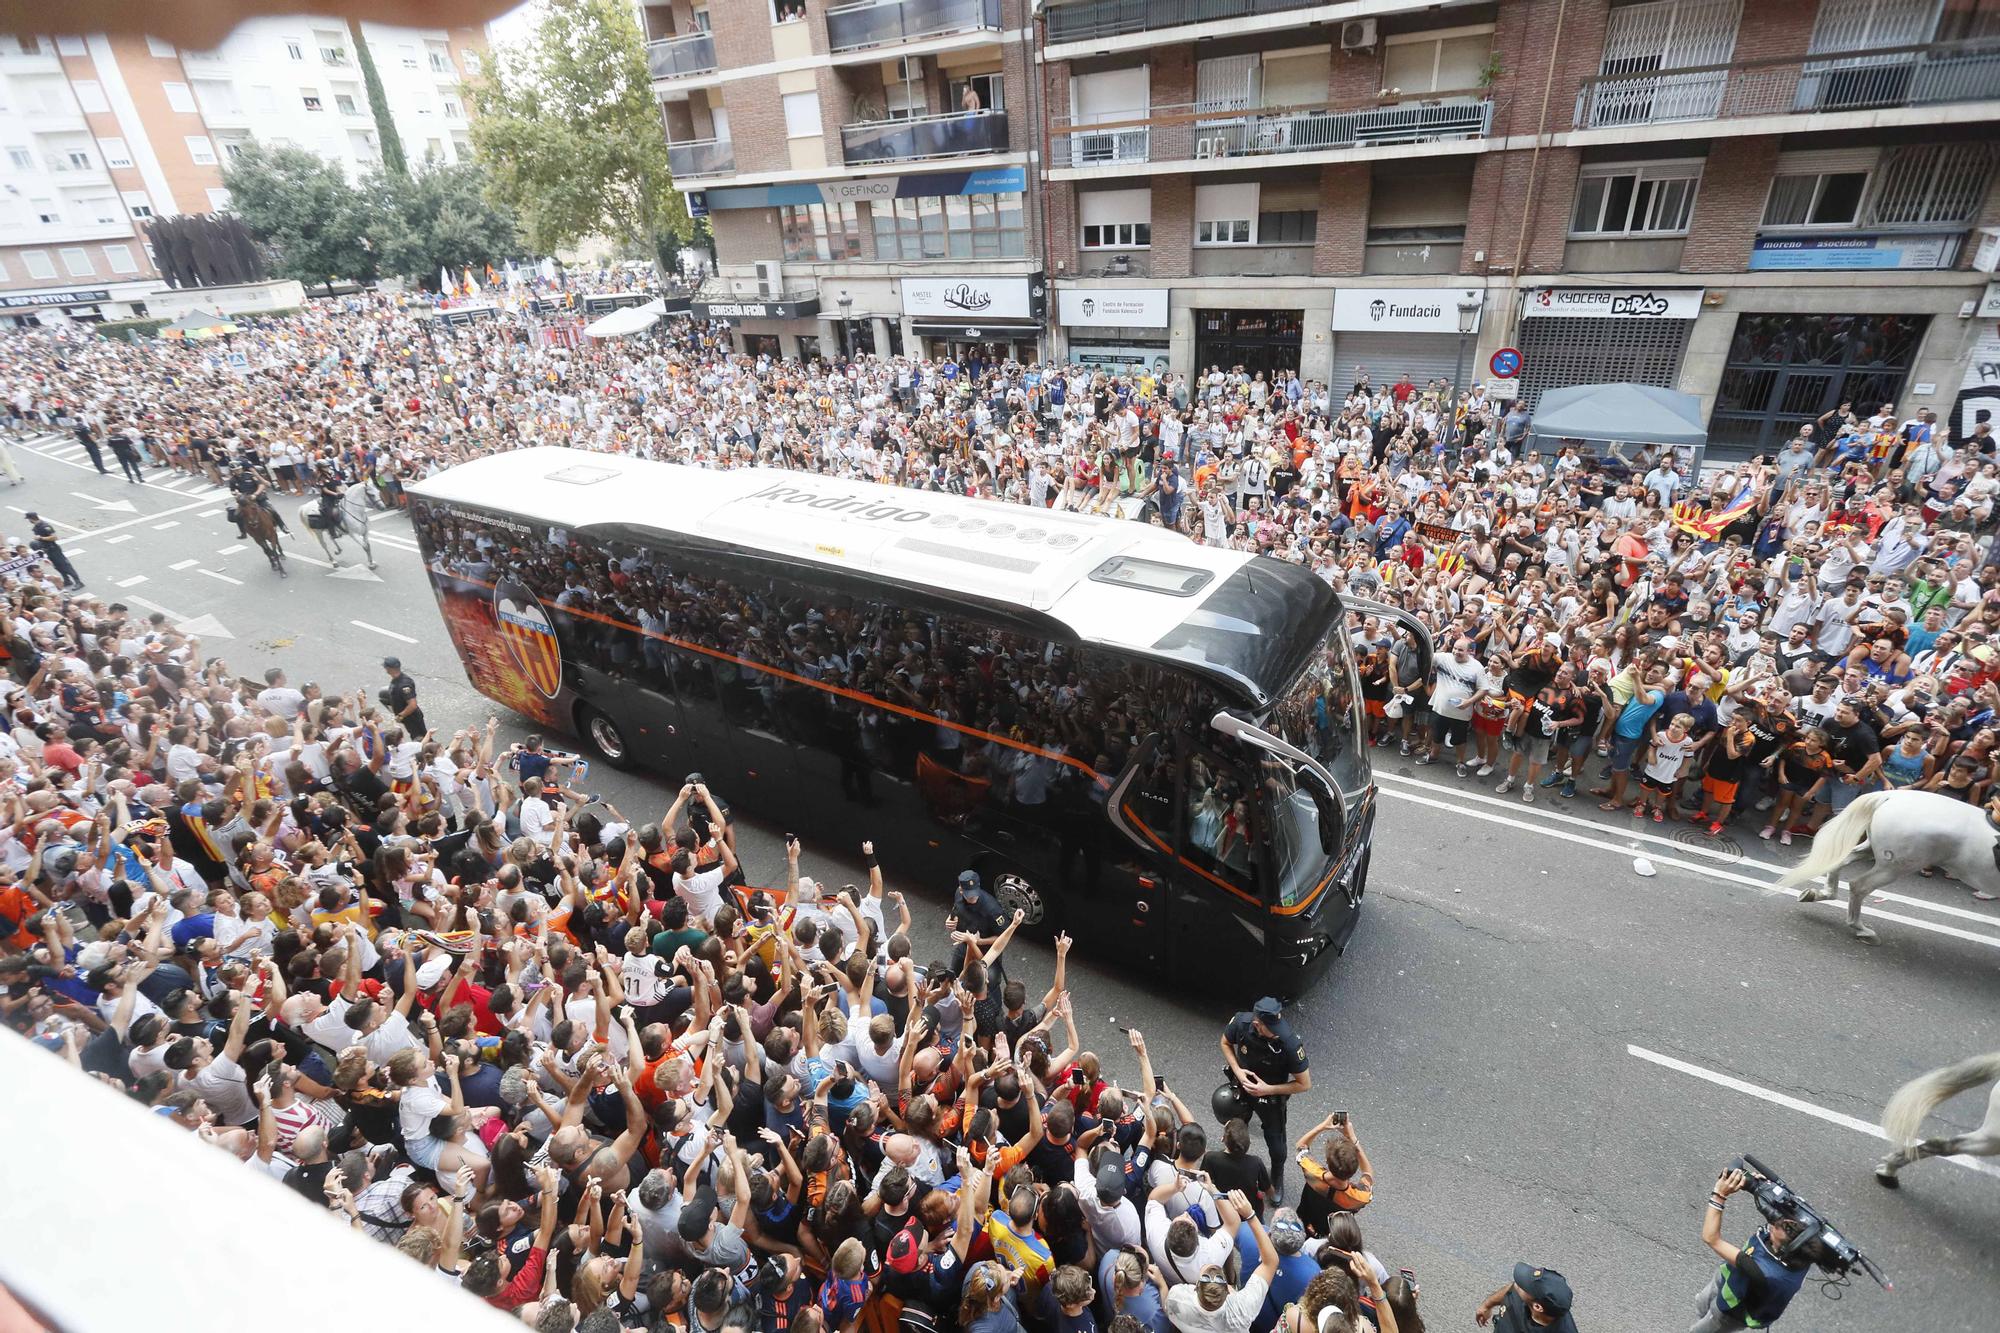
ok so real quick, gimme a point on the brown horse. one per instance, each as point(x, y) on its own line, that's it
point(262, 528)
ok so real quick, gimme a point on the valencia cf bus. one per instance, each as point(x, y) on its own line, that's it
point(1155, 745)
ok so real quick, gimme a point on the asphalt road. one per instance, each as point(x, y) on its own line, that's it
point(1548, 1056)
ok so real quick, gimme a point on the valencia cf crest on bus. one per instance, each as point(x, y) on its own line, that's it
point(530, 636)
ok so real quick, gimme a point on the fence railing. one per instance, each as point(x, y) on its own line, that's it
point(677, 57)
point(701, 157)
point(1194, 132)
point(1925, 75)
point(1117, 18)
point(956, 134)
point(885, 22)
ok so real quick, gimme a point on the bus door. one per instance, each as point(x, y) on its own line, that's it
point(1217, 907)
point(1143, 804)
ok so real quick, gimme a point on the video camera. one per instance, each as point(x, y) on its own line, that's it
point(1818, 1241)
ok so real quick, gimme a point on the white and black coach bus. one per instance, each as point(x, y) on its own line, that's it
point(1155, 745)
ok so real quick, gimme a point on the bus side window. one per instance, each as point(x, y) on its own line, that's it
point(1217, 830)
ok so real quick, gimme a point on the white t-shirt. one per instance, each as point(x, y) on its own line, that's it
point(282, 700)
point(220, 1083)
point(537, 819)
point(1234, 1315)
point(702, 893)
point(1457, 682)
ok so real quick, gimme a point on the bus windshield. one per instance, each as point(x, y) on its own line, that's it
point(1320, 714)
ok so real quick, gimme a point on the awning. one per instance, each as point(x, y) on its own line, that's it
point(197, 324)
point(986, 330)
point(1631, 413)
point(619, 323)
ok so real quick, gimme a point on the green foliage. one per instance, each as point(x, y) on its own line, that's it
point(131, 330)
point(311, 222)
point(568, 123)
point(441, 217)
point(393, 160)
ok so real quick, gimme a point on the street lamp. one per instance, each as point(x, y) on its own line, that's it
point(1468, 319)
point(846, 304)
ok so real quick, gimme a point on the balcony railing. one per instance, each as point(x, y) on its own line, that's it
point(1092, 19)
point(1926, 75)
point(677, 57)
point(886, 22)
point(1194, 132)
point(701, 157)
point(955, 135)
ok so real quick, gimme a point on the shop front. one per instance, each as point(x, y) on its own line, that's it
point(1604, 335)
point(1119, 330)
point(976, 320)
point(1785, 370)
point(25, 310)
point(764, 326)
point(1397, 332)
point(1259, 341)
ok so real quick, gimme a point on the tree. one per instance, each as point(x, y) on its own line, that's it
point(311, 222)
point(440, 217)
point(568, 123)
point(393, 159)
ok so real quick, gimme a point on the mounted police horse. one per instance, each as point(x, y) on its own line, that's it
point(1886, 835)
point(349, 518)
point(260, 525)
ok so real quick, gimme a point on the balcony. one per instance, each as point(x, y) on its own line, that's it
point(1828, 82)
point(695, 158)
point(678, 57)
point(1093, 20)
point(887, 22)
point(958, 134)
point(1191, 132)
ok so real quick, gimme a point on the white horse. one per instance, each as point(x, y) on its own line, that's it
point(1916, 1099)
point(1885, 835)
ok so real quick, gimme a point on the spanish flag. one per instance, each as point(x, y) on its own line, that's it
point(1709, 524)
point(1450, 562)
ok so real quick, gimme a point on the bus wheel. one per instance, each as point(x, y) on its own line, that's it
point(606, 737)
point(1017, 894)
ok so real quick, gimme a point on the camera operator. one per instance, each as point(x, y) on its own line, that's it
point(1754, 1285)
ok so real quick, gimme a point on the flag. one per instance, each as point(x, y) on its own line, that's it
point(471, 287)
point(548, 269)
point(1709, 524)
point(1450, 562)
point(491, 277)
point(513, 276)
point(445, 284)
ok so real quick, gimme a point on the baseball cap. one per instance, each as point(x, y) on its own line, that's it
point(392, 662)
point(432, 972)
point(1268, 1007)
point(1110, 1183)
point(1545, 1285)
point(968, 882)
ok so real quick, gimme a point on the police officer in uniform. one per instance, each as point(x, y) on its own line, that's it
point(1537, 1299)
point(399, 696)
point(46, 545)
point(1755, 1282)
point(977, 912)
point(1267, 1064)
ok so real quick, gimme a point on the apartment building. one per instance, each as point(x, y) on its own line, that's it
point(100, 133)
point(1775, 205)
point(865, 169)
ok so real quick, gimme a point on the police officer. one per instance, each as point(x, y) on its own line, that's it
point(978, 913)
point(126, 452)
point(249, 490)
point(1755, 1282)
point(51, 550)
point(1537, 1299)
point(1267, 1063)
point(400, 697)
point(332, 489)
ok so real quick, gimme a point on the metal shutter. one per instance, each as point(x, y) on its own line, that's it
point(1389, 356)
point(1557, 352)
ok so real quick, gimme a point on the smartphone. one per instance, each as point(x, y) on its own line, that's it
point(1340, 1117)
point(1076, 1077)
point(1409, 1279)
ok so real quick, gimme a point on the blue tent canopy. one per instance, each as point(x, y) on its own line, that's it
point(1631, 413)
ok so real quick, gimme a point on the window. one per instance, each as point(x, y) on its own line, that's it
point(434, 149)
point(164, 50)
point(218, 199)
point(1435, 64)
point(3, 273)
point(1931, 185)
point(979, 226)
point(408, 55)
point(232, 149)
point(71, 46)
point(77, 260)
point(801, 115)
point(118, 258)
point(201, 150)
point(787, 11)
point(1225, 214)
point(1816, 199)
point(1635, 201)
point(344, 103)
point(1293, 226)
point(103, 210)
point(822, 232)
point(78, 160)
point(452, 110)
point(333, 55)
point(296, 50)
point(90, 95)
point(441, 61)
point(988, 87)
point(138, 203)
point(48, 212)
point(1116, 219)
point(116, 153)
point(21, 158)
point(471, 57)
point(38, 263)
point(312, 101)
point(179, 97)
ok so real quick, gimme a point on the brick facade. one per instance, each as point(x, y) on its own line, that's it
point(1173, 226)
point(757, 123)
point(1343, 218)
point(1734, 184)
point(1499, 196)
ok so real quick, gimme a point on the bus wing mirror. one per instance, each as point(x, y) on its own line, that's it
point(1251, 734)
point(1114, 800)
point(1368, 606)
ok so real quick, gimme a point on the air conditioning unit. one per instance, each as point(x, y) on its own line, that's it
point(770, 279)
point(909, 69)
point(1357, 35)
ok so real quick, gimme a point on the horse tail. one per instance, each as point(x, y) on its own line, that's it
point(1916, 1099)
point(1837, 841)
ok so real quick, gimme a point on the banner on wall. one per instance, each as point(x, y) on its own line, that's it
point(1979, 391)
point(1612, 302)
point(1112, 307)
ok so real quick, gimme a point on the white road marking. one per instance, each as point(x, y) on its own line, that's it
point(239, 583)
point(110, 506)
point(231, 550)
point(1709, 871)
point(168, 612)
point(57, 521)
point(1719, 854)
point(400, 543)
point(142, 518)
point(207, 627)
point(208, 513)
point(53, 457)
point(121, 537)
point(132, 582)
point(175, 483)
point(170, 523)
point(362, 624)
point(179, 565)
point(1791, 1103)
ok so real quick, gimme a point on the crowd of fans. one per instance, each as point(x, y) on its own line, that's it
point(584, 1067)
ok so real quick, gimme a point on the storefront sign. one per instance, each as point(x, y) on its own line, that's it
point(804, 308)
point(29, 299)
point(1120, 358)
point(1854, 252)
point(1400, 309)
point(1979, 391)
point(983, 299)
point(1112, 307)
point(1614, 302)
point(1989, 302)
point(997, 180)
